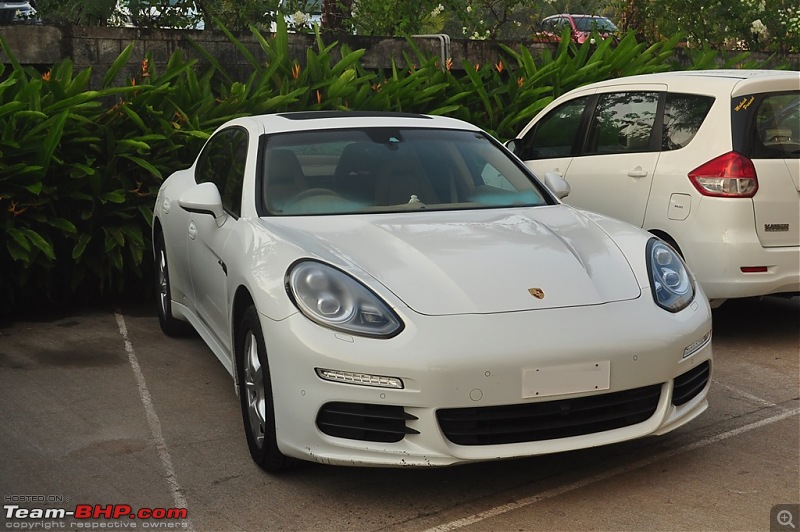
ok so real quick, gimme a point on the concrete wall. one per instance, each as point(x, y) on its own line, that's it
point(42, 45)
point(97, 47)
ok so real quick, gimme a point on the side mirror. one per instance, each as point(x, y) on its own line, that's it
point(203, 199)
point(557, 185)
point(513, 146)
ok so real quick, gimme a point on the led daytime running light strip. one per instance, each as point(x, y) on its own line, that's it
point(362, 379)
point(696, 346)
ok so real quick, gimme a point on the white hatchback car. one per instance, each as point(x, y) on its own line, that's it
point(707, 160)
point(400, 290)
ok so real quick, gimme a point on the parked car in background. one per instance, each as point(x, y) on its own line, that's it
point(16, 11)
point(707, 160)
point(580, 27)
point(400, 290)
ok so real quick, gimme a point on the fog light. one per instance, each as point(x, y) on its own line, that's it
point(696, 346)
point(362, 379)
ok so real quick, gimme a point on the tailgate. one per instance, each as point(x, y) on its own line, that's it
point(766, 128)
point(777, 203)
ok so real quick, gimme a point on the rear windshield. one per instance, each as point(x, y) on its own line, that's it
point(373, 170)
point(767, 126)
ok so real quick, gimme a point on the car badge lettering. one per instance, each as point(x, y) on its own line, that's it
point(776, 228)
point(538, 293)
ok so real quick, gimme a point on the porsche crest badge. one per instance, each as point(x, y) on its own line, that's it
point(538, 293)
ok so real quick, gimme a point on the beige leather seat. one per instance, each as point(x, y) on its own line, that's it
point(284, 178)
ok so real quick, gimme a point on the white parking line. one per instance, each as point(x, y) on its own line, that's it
point(152, 420)
point(755, 399)
point(528, 501)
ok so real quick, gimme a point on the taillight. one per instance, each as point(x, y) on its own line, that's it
point(731, 175)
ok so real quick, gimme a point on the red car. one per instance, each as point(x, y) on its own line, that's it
point(581, 27)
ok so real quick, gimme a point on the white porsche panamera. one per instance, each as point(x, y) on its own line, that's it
point(400, 290)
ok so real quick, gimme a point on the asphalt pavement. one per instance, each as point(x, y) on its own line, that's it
point(104, 415)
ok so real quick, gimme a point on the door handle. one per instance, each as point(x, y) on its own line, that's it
point(192, 230)
point(637, 172)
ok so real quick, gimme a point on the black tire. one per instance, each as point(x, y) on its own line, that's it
point(169, 324)
point(255, 395)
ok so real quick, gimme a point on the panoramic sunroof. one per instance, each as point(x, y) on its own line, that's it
point(311, 115)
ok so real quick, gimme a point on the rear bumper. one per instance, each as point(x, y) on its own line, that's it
point(720, 270)
point(718, 239)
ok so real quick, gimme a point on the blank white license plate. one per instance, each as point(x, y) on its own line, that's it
point(566, 379)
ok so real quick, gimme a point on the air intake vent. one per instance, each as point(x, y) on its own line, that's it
point(548, 420)
point(691, 383)
point(357, 421)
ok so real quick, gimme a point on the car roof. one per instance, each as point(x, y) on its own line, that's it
point(735, 82)
point(311, 120)
point(721, 74)
point(575, 16)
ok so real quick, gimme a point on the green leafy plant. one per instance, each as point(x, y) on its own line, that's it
point(80, 167)
point(78, 177)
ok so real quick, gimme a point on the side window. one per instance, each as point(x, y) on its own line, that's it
point(555, 134)
point(623, 123)
point(683, 115)
point(222, 163)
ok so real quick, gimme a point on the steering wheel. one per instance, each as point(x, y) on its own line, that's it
point(313, 192)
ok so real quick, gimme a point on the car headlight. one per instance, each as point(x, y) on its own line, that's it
point(670, 281)
point(335, 300)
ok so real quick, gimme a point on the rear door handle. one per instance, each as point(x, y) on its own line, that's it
point(637, 172)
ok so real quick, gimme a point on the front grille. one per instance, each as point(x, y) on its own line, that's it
point(358, 421)
point(691, 383)
point(548, 420)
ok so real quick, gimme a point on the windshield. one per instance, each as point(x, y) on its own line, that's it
point(600, 24)
point(371, 170)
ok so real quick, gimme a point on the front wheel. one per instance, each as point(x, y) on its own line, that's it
point(169, 324)
point(255, 395)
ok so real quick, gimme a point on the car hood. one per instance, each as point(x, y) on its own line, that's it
point(477, 261)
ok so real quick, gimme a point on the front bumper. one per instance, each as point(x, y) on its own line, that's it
point(476, 361)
